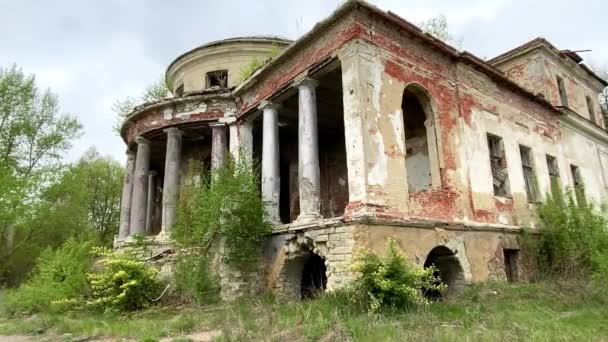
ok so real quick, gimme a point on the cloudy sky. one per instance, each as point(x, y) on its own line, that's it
point(93, 52)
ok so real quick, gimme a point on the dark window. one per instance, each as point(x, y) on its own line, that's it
point(511, 257)
point(500, 177)
point(529, 176)
point(562, 91)
point(217, 78)
point(179, 91)
point(553, 172)
point(579, 187)
point(591, 112)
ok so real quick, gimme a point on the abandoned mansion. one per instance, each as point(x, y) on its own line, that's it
point(367, 128)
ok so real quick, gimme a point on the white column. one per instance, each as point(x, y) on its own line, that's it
point(271, 179)
point(151, 201)
point(171, 181)
point(308, 151)
point(219, 145)
point(127, 191)
point(137, 224)
point(241, 140)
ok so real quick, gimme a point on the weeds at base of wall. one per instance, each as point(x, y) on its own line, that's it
point(392, 282)
point(573, 243)
point(194, 281)
point(80, 277)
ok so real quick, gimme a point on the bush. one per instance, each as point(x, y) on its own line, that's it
point(59, 277)
point(229, 207)
point(124, 283)
point(392, 282)
point(194, 282)
point(573, 235)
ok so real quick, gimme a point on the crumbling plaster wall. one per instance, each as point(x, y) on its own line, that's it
point(537, 71)
point(591, 157)
point(577, 86)
point(480, 253)
point(176, 112)
point(468, 106)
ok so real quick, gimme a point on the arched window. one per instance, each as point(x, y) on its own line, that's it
point(421, 159)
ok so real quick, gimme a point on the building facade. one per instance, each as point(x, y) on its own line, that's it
point(366, 129)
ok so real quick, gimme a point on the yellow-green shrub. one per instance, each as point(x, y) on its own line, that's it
point(392, 282)
point(124, 283)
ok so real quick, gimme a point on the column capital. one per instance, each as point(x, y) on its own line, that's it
point(153, 173)
point(172, 130)
point(217, 125)
point(305, 81)
point(130, 153)
point(141, 140)
point(269, 105)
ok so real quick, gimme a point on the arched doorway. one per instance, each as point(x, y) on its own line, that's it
point(449, 270)
point(314, 277)
point(419, 134)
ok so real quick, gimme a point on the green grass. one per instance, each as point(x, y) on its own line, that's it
point(486, 312)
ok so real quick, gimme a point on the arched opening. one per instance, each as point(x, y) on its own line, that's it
point(449, 271)
point(417, 119)
point(314, 277)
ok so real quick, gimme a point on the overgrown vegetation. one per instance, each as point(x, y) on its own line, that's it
point(574, 240)
point(43, 201)
point(155, 91)
point(195, 282)
point(392, 282)
point(223, 210)
point(124, 283)
point(256, 63)
point(225, 206)
point(78, 276)
point(545, 311)
point(60, 275)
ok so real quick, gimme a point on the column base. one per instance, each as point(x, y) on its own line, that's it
point(308, 218)
point(163, 237)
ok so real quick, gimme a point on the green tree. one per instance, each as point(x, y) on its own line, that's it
point(438, 28)
point(122, 108)
point(82, 202)
point(33, 136)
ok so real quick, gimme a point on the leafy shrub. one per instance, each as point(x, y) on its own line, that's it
point(571, 238)
point(124, 283)
point(59, 278)
point(194, 282)
point(229, 207)
point(256, 63)
point(392, 282)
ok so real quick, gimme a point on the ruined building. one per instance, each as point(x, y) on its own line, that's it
point(367, 128)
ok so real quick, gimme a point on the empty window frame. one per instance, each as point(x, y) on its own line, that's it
point(511, 257)
point(498, 164)
point(579, 187)
point(562, 91)
point(553, 172)
point(179, 91)
point(591, 111)
point(527, 165)
point(217, 78)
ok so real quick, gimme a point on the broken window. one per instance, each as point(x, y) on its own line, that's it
point(562, 91)
point(553, 173)
point(179, 91)
point(579, 188)
point(498, 164)
point(510, 257)
point(217, 78)
point(416, 116)
point(529, 176)
point(591, 112)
